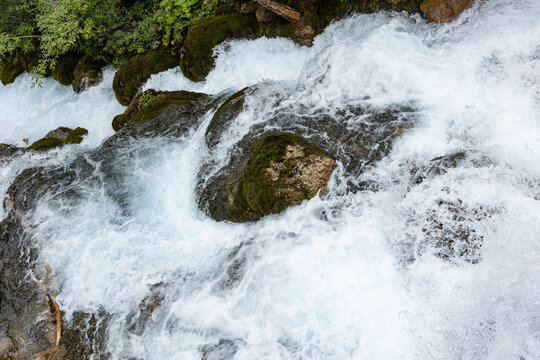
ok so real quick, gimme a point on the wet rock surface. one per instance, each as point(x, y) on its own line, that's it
point(87, 73)
point(355, 146)
point(160, 106)
point(58, 138)
point(444, 10)
point(283, 170)
point(26, 324)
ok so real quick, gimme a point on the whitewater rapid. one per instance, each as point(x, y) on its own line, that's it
point(349, 275)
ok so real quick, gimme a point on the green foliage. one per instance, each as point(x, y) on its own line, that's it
point(175, 16)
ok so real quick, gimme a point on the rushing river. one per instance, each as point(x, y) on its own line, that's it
point(349, 274)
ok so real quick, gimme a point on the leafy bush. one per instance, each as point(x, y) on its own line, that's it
point(175, 16)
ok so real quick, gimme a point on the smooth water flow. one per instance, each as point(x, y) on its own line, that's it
point(351, 274)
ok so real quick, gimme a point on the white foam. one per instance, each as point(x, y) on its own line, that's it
point(331, 278)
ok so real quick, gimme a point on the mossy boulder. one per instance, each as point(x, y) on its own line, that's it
point(197, 59)
point(46, 144)
point(59, 138)
point(15, 65)
point(10, 69)
point(282, 170)
point(151, 104)
point(63, 70)
point(87, 73)
point(133, 74)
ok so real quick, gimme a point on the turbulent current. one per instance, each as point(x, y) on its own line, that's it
point(356, 273)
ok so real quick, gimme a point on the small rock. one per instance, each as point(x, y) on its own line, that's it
point(225, 349)
point(61, 133)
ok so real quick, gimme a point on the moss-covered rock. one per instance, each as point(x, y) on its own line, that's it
point(63, 70)
point(46, 144)
point(151, 104)
point(133, 74)
point(197, 59)
point(87, 73)
point(10, 69)
point(59, 138)
point(283, 170)
point(15, 65)
point(76, 136)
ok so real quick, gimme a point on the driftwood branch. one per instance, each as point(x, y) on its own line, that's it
point(282, 10)
point(22, 37)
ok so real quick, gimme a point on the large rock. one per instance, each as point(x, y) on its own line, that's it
point(283, 170)
point(10, 70)
point(197, 59)
point(133, 74)
point(354, 136)
point(444, 10)
point(15, 65)
point(152, 104)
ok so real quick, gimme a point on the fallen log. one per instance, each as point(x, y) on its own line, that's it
point(282, 10)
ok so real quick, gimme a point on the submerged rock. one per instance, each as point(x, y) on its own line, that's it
point(152, 104)
point(197, 59)
point(84, 337)
point(450, 230)
point(225, 349)
point(133, 74)
point(59, 138)
point(444, 10)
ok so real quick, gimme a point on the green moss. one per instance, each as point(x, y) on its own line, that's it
point(10, 69)
point(46, 144)
point(134, 73)
point(63, 70)
point(151, 103)
point(76, 136)
point(197, 60)
point(256, 194)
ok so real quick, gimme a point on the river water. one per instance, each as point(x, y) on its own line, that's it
point(346, 275)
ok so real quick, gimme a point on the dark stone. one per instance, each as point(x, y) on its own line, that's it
point(84, 338)
point(87, 73)
point(227, 111)
point(61, 133)
point(59, 138)
point(356, 147)
point(152, 104)
point(224, 350)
